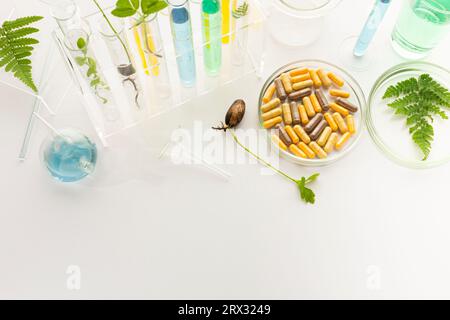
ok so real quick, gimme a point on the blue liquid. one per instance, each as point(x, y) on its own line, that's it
point(71, 157)
point(184, 48)
point(371, 27)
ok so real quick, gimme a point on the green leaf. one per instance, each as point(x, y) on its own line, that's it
point(125, 8)
point(306, 194)
point(80, 60)
point(152, 6)
point(20, 22)
point(16, 47)
point(420, 100)
point(81, 43)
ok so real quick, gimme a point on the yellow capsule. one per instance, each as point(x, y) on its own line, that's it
point(339, 93)
point(315, 103)
point(287, 116)
point(340, 122)
point(333, 125)
point(315, 78)
point(351, 124)
point(340, 143)
point(295, 139)
point(272, 122)
point(302, 134)
point(318, 150)
point(335, 107)
point(298, 72)
point(302, 85)
point(324, 136)
point(331, 143)
point(278, 142)
point(296, 151)
point(286, 83)
point(300, 78)
point(269, 93)
point(326, 82)
point(336, 80)
point(307, 150)
point(272, 104)
point(271, 114)
point(309, 107)
point(303, 115)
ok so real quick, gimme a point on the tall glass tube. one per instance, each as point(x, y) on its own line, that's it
point(78, 44)
point(180, 24)
point(226, 19)
point(150, 48)
point(240, 37)
point(121, 57)
point(212, 36)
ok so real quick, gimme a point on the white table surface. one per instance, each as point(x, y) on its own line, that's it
point(144, 230)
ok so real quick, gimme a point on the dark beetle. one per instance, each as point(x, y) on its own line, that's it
point(234, 115)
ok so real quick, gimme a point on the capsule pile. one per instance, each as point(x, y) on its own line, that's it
point(310, 112)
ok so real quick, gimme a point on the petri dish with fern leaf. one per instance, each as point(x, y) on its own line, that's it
point(407, 114)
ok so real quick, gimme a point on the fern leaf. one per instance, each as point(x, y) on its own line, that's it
point(420, 100)
point(16, 47)
point(20, 22)
point(241, 11)
point(403, 87)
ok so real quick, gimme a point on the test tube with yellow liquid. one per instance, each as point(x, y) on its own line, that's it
point(150, 47)
point(226, 19)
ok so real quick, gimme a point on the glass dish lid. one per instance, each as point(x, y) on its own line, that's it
point(306, 8)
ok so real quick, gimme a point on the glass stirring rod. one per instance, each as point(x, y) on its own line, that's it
point(371, 27)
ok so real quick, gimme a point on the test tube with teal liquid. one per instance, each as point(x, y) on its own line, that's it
point(180, 24)
point(212, 36)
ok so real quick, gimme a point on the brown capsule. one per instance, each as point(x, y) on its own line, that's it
point(318, 130)
point(281, 93)
point(322, 100)
point(347, 105)
point(295, 114)
point(297, 95)
point(283, 135)
point(313, 123)
point(234, 115)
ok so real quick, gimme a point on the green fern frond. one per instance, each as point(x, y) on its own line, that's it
point(403, 87)
point(241, 11)
point(419, 100)
point(16, 46)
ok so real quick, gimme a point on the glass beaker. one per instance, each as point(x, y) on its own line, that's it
point(421, 25)
point(298, 22)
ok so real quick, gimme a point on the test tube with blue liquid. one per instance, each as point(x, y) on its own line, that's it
point(212, 36)
point(371, 27)
point(354, 51)
point(180, 23)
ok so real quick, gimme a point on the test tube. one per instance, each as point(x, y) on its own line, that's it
point(150, 48)
point(226, 19)
point(212, 36)
point(66, 14)
point(180, 24)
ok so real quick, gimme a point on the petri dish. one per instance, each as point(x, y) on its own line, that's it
point(356, 97)
point(390, 132)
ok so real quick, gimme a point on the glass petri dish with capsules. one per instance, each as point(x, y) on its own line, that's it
point(313, 112)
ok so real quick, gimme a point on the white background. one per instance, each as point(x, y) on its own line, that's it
point(141, 229)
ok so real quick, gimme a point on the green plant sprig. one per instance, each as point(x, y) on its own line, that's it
point(420, 100)
point(306, 194)
point(16, 47)
point(141, 8)
point(92, 73)
point(241, 11)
